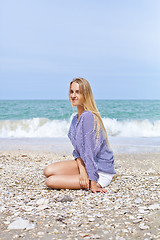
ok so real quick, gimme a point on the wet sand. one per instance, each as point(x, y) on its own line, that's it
point(129, 210)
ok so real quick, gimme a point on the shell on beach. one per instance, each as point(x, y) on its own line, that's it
point(20, 224)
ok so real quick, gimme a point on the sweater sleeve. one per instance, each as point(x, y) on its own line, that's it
point(71, 135)
point(89, 145)
point(75, 154)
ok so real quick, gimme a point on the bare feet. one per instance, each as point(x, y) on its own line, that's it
point(95, 187)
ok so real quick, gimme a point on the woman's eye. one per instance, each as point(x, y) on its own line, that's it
point(77, 92)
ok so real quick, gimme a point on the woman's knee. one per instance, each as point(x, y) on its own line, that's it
point(48, 182)
point(48, 171)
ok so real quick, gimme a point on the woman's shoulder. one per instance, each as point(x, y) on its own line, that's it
point(74, 119)
point(87, 115)
point(87, 120)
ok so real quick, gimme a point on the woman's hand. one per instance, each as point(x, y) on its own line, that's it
point(83, 179)
point(95, 187)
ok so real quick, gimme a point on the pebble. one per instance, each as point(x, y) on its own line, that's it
point(65, 198)
point(126, 211)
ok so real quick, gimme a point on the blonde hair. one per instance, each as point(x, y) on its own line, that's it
point(89, 104)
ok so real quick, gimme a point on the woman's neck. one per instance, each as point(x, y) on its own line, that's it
point(80, 110)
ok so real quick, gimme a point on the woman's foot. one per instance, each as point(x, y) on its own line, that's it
point(96, 187)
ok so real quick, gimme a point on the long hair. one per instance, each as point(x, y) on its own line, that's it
point(89, 104)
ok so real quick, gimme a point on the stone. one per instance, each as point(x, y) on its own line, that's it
point(65, 198)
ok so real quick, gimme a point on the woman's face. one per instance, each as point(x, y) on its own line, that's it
point(76, 97)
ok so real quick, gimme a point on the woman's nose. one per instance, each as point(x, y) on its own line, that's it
point(74, 94)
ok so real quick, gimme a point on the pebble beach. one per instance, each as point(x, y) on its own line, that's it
point(29, 210)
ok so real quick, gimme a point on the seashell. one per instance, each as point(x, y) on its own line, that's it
point(138, 201)
point(40, 233)
point(99, 215)
point(42, 207)
point(137, 220)
point(42, 201)
point(20, 223)
point(142, 226)
point(154, 206)
point(95, 236)
point(91, 219)
point(28, 208)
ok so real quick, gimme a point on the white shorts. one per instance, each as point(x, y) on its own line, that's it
point(104, 178)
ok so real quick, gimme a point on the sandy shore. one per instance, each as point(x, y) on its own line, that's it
point(129, 210)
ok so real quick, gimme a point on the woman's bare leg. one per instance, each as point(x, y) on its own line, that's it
point(63, 175)
point(62, 168)
point(63, 182)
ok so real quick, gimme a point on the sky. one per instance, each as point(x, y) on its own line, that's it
point(114, 44)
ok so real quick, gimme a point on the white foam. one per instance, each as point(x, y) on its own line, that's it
point(42, 127)
point(132, 128)
point(36, 127)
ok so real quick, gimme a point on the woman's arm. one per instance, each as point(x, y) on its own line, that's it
point(84, 179)
point(88, 145)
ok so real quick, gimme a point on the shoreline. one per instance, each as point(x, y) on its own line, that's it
point(129, 210)
point(63, 145)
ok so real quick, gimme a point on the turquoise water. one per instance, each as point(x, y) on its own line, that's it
point(51, 118)
point(61, 109)
point(28, 109)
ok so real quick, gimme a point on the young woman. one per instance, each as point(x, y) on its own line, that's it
point(93, 167)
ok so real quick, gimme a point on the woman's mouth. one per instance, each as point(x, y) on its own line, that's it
point(73, 100)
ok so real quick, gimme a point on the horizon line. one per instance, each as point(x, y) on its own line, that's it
point(50, 99)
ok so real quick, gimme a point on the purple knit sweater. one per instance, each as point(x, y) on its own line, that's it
point(95, 155)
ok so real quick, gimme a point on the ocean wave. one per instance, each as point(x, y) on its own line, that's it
point(36, 127)
point(43, 127)
point(132, 128)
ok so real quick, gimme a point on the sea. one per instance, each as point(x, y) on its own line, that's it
point(132, 125)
